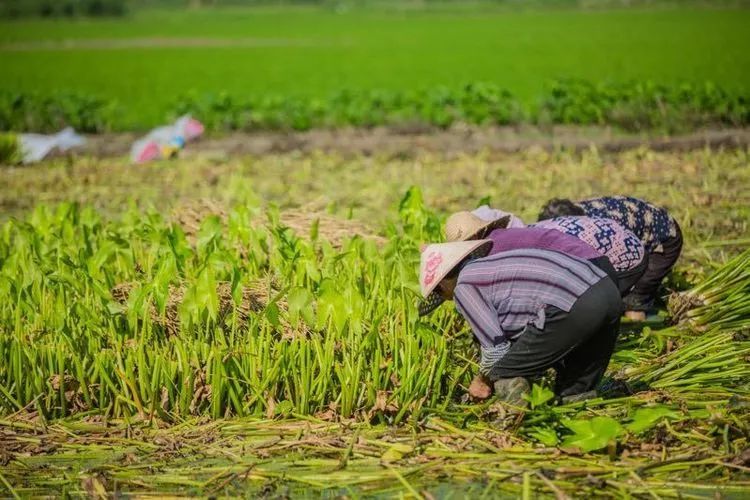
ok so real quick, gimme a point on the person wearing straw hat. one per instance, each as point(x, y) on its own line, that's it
point(616, 250)
point(463, 226)
point(529, 310)
point(489, 214)
point(658, 231)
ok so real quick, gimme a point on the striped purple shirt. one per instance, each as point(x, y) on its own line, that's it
point(504, 240)
point(499, 295)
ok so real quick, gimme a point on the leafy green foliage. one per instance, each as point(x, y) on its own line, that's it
point(545, 435)
point(644, 419)
point(336, 329)
point(477, 103)
point(633, 107)
point(539, 396)
point(643, 105)
point(62, 8)
point(593, 434)
point(35, 112)
point(9, 149)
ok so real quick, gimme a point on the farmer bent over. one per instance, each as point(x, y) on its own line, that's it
point(622, 248)
point(529, 310)
point(606, 243)
point(657, 230)
point(462, 226)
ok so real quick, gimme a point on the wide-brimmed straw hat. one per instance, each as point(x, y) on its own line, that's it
point(438, 260)
point(463, 226)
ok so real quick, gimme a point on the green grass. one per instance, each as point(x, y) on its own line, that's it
point(316, 52)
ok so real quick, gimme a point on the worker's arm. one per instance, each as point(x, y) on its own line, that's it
point(482, 316)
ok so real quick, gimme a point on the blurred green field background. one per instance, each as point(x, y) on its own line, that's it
point(149, 58)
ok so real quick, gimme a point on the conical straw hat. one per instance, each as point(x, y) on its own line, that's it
point(438, 260)
point(463, 226)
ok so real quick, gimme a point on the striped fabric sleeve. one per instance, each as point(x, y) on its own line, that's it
point(480, 314)
point(490, 357)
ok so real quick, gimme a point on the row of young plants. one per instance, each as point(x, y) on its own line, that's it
point(328, 328)
point(340, 327)
point(631, 106)
point(334, 340)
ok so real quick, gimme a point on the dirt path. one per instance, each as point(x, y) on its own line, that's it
point(407, 142)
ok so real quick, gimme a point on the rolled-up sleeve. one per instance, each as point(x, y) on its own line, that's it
point(490, 357)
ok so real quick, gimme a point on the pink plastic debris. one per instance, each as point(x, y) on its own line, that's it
point(147, 151)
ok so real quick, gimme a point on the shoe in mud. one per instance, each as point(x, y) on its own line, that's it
point(512, 391)
point(577, 398)
point(614, 388)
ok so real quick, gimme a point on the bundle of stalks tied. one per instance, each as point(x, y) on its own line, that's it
point(722, 301)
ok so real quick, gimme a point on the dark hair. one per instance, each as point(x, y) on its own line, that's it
point(559, 207)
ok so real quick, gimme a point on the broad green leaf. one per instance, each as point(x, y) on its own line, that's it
point(545, 435)
point(209, 232)
point(272, 314)
point(331, 305)
point(645, 418)
point(205, 290)
point(539, 395)
point(300, 305)
point(391, 455)
point(396, 452)
point(593, 434)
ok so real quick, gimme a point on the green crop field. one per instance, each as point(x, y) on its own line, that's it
point(149, 59)
point(155, 344)
point(224, 324)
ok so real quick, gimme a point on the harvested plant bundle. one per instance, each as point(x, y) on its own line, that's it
point(721, 301)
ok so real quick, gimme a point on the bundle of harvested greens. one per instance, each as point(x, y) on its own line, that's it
point(721, 301)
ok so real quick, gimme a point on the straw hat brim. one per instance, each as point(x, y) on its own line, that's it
point(485, 230)
point(432, 298)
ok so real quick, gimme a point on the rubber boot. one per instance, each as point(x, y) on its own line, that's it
point(512, 391)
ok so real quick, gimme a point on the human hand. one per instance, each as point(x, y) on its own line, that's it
point(635, 315)
point(480, 388)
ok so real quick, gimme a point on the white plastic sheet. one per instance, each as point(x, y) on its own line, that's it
point(35, 147)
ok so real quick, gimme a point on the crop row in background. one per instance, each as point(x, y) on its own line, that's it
point(631, 107)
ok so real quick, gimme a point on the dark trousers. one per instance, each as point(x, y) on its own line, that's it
point(578, 344)
point(605, 265)
point(646, 289)
point(629, 277)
